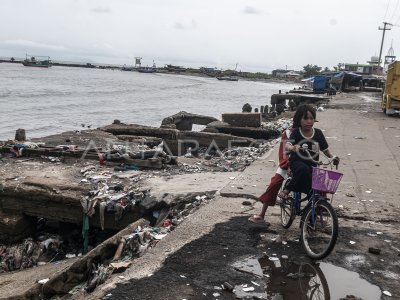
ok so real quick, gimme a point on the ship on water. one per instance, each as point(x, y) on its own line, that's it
point(38, 61)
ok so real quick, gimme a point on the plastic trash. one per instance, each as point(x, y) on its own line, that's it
point(387, 293)
point(227, 286)
point(43, 281)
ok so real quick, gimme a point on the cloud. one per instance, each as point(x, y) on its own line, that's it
point(101, 10)
point(32, 44)
point(181, 26)
point(251, 10)
point(103, 46)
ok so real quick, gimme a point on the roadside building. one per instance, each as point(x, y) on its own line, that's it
point(210, 71)
point(287, 74)
point(371, 67)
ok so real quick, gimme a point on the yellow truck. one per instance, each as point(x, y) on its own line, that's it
point(391, 95)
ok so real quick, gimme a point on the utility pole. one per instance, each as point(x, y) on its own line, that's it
point(385, 24)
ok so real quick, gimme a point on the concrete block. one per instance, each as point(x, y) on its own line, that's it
point(242, 119)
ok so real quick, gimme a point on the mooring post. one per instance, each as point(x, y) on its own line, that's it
point(20, 135)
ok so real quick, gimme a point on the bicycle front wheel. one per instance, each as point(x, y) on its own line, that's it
point(319, 230)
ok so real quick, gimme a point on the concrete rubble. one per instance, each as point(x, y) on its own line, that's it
point(99, 176)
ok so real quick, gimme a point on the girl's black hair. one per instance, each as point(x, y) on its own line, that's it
point(301, 112)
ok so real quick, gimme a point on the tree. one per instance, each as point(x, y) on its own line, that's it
point(327, 69)
point(311, 70)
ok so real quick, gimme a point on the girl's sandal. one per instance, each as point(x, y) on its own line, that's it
point(258, 219)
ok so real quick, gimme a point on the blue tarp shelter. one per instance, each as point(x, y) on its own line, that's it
point(321, 83)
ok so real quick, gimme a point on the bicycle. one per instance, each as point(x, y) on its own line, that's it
point(319, 226)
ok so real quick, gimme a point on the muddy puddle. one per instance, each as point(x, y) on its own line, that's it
point(279, 278)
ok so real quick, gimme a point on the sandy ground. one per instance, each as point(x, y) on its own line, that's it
point(194, 260)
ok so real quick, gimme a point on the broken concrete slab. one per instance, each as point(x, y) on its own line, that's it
point(81, 138)
point(248, 132)
point(242, 119)
point(139, 130)
point(188, 183)
point(142, 140)
point(53, 194)
point(184, 120)
point(177, 142)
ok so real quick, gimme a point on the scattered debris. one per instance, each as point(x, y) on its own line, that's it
point(387, 293)
point(374, 250)
point(43, 281)
point(227, 286)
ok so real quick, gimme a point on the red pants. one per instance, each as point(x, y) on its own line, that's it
point(269, 196)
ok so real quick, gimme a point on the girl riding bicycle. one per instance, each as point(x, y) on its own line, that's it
point(305, 136)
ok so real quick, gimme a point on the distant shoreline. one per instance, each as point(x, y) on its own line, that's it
point(248, 76)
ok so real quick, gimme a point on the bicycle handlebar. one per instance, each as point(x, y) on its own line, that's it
point(334, 160)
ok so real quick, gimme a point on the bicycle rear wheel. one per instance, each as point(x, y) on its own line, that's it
point(287, 212)
point(287, 208)
point(319, 230)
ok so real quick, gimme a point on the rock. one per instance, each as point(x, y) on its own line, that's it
point(246, 108)
point(374, 250)
point(227, 286)
point(278, 239)
point(20, 135)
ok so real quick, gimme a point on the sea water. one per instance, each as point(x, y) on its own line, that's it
point(57, 99)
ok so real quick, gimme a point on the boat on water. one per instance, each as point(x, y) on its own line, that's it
point(38, 61)
point(172, 68)
point(127, 68)
point(147, 69)
point(228, 78)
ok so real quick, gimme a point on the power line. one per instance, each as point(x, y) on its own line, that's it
point(394, 11)
point(397, 20)
point(387, 7)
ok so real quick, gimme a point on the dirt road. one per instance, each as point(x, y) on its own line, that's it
point(217, 244)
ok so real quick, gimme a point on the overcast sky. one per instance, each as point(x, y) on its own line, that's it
point(259, 35)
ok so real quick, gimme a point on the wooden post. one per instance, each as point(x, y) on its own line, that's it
point(20, 135)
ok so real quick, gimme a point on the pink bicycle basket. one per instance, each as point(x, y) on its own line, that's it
point(326, 181)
